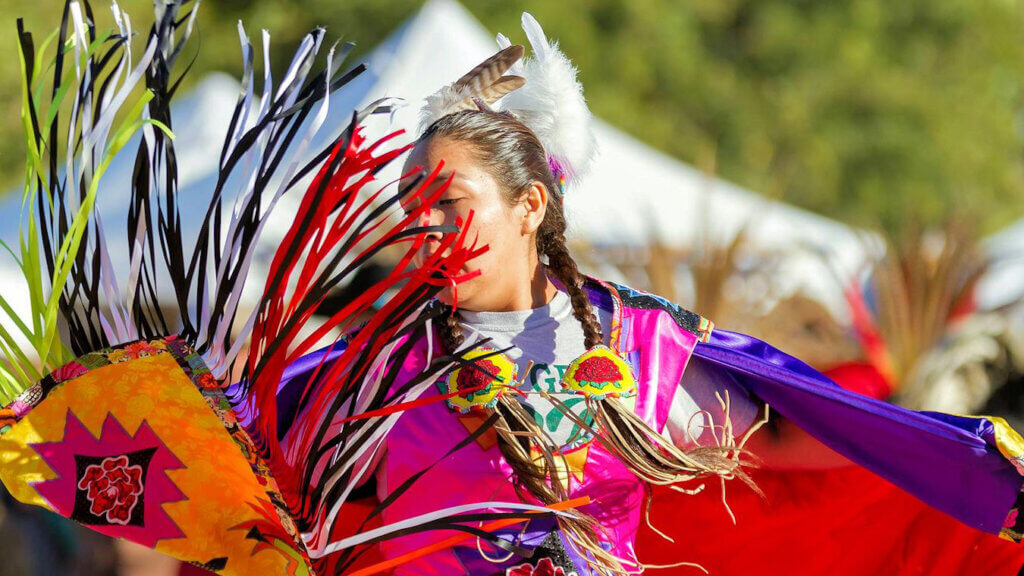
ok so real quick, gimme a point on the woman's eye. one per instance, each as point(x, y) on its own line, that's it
point(447, 201)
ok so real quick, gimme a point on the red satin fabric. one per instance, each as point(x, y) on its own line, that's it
point(862, 378)
point(845, 522)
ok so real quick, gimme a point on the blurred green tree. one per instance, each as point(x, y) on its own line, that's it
point(868, 111)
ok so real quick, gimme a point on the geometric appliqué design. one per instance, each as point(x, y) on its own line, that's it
point(117, 484)
point(689, 321)
point(111, 489)
point(543, 567)
point(549, 554)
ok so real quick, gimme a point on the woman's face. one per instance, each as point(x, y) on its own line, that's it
point(511, 252)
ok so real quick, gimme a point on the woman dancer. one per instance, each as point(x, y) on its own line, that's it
point(573, 387)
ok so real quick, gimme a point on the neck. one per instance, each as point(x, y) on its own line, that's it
point(542, 289)
point(533, 294)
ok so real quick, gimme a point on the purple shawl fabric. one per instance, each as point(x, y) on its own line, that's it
point(949, 462)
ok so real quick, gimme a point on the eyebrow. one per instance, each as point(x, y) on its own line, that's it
point(440, 179)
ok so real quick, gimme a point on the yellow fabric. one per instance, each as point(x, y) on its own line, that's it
point(20, 466)
point(218, 483)
point(570, 462)
point(1008, 441)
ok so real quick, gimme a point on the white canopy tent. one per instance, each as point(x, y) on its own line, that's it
point(632, 192)
point(1004, 283)
point(200, 124)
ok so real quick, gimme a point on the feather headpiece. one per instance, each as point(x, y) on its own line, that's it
point(542, 91)
point(485, 84)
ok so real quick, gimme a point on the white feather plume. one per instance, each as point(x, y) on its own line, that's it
point(552, 104)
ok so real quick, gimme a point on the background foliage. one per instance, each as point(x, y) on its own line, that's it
point(869, 111)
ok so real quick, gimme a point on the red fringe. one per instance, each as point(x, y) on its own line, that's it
point(332, 218)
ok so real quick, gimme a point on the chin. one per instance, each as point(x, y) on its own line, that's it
point(447, 297)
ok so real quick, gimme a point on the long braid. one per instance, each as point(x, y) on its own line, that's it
point(451, 331)
point(562, 265)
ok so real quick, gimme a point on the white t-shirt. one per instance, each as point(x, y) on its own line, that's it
point(552, 338)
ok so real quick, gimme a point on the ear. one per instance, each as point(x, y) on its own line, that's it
point(535, 205)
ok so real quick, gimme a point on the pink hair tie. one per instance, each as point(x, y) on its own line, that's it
point(558, 171)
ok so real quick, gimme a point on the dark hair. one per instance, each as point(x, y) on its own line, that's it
point(515, 157)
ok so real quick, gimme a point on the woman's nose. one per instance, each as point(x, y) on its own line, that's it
point(432, 217)
point(425, 217)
